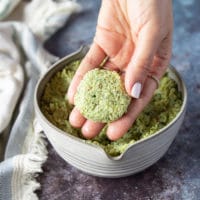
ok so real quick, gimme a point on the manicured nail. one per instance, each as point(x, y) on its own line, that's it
point(136, 90)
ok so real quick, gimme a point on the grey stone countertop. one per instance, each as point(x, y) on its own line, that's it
point(177, 174)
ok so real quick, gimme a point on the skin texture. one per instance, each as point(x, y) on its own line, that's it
point(136, 35)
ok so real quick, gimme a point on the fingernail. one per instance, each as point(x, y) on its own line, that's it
point(136, 90)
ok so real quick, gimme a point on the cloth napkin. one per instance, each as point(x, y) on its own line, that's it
point(24, 27)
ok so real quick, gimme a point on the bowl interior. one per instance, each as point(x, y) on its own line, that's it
point(79, 55)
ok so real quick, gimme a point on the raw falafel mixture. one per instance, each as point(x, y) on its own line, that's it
point(164, 106)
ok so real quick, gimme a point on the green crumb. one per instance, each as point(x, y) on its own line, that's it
point(101, 96)
point(164, 106)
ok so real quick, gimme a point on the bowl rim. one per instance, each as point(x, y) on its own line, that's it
point(83, 50)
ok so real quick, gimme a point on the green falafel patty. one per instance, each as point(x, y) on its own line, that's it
point(101, 96)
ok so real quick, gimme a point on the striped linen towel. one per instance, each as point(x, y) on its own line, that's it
point(24, 27)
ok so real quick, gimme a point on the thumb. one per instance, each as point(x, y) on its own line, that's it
point(93, 59)
point(140, 63)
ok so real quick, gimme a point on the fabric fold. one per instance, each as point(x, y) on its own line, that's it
point(23, 60)
point(6, 7)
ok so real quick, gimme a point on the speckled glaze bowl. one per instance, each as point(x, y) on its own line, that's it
point(92, 159)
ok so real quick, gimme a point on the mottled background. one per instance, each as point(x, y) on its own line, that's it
point(176, 175)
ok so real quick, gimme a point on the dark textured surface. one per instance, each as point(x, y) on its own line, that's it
point(176, 175)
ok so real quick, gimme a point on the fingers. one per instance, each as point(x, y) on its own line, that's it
point(115, 129)
point(76, 119)
point(91, 129)
point(140, 62)
point(160, 63)
point(162, 58)
point(93, 59)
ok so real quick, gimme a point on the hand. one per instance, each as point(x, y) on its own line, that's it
point(136, 35)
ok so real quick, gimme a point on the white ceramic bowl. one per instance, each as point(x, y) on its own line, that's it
point(92, 159)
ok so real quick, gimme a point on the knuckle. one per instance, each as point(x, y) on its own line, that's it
point(144, 68)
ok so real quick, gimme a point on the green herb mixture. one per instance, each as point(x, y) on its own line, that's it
point(164, 106)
